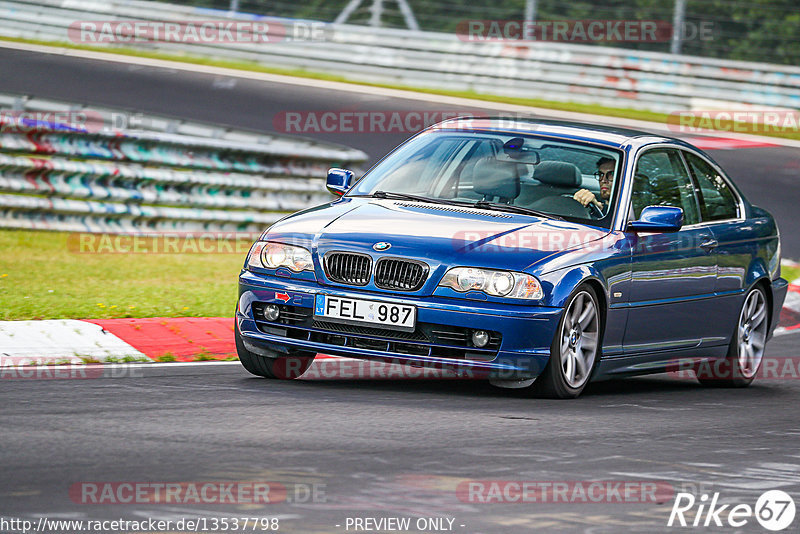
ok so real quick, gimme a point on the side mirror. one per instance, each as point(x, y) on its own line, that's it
point(339, 181)
point(658, 219)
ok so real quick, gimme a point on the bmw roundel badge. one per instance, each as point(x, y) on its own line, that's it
point(383, 245)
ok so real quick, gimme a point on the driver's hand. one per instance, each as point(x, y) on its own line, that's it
point(584, 196)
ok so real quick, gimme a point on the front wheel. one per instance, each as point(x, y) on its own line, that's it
point(746, 349)
point(575, 348)
point(282, 368)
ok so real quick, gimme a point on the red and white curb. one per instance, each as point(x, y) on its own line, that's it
point(79, 341)
point(179, 339)
point(64, 340)
point(790, 314)
point(183, 339)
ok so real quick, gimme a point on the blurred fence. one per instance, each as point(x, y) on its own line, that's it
point(66, 167)
point(753, 30)
point(552, 71)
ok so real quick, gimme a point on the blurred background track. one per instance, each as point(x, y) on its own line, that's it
point(768, 175)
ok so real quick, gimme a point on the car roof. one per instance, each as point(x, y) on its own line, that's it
point(608, 135)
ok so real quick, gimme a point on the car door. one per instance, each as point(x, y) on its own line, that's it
point(673, 274)
point(722, 213)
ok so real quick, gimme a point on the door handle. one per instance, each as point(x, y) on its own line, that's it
point(709, 245)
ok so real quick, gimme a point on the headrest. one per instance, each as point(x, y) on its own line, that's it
point(495, 178)
point(558, 173)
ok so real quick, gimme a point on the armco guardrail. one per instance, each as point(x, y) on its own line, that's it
point(165, 175)
point(551, 71)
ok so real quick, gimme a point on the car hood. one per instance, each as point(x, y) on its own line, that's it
point(437, 234)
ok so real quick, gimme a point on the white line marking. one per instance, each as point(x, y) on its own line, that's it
point(157, 365)
point(781, 331)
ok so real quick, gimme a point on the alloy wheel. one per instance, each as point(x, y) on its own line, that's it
point(752, 333)
point(579, 337)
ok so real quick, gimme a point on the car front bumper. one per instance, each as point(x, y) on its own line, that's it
point(520, 346)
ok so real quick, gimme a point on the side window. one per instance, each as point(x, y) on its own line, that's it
point(661, 179)
point(716, 198)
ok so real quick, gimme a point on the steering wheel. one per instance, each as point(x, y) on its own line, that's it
point(591, 207)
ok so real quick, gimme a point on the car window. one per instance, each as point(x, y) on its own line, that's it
point(717, 201)
point(519, 170)
point(586, 160)
point(661, 179)
point(423, 167)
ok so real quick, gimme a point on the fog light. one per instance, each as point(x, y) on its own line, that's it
point(480, 338)
point(272, 312)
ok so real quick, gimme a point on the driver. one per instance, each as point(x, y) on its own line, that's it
point(605, 175)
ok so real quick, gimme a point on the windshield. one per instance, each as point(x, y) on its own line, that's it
point(564, 179)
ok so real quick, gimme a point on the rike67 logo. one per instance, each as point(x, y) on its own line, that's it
point(774, 510)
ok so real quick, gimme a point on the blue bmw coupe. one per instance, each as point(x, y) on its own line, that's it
point(538, 255)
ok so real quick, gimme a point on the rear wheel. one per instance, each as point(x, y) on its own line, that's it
point(282, 368)
point(575, 348)
point(746, 349)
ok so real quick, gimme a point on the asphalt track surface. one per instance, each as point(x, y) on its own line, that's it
point(381, 447)
point(392, 447)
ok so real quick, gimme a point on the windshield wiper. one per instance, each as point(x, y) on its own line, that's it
point(416, 198)
point(511, 208)
point(481, 204)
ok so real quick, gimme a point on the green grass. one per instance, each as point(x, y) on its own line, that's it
point(204, 357)
point(790, 273)
point(626, 113)
point(41, 277)
point(167, 357)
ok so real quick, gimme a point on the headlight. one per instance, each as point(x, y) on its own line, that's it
point(270, 255)
point(496, 283)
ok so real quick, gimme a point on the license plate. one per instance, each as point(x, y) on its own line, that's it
point(357, 311)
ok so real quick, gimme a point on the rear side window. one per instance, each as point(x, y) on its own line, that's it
point(586, 160)
point(716, 199)
point(661, 179)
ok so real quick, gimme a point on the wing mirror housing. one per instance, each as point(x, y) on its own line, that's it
point(339, 181)
point(658, 219)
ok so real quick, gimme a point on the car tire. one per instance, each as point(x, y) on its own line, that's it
point(575, 350)
point(746, 350)
point(281, 368)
